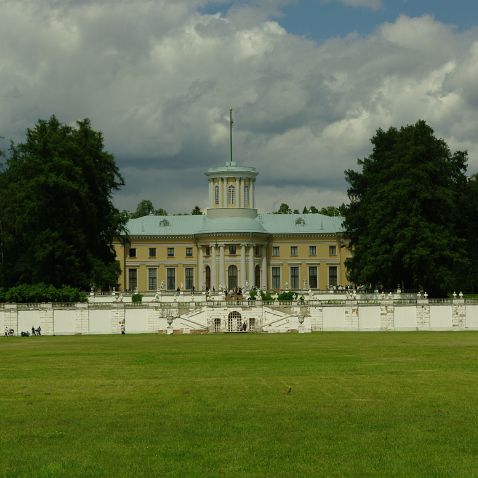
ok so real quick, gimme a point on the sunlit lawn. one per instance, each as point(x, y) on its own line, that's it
point(323, 404)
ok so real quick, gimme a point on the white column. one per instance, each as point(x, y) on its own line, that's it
point(200, 268)
point(243, 266)
point(251, 265)
point(264, 268)
point(253, 193)
point(213, 266)
point(221, 266)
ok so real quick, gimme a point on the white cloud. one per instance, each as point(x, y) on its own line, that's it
point(158, 78)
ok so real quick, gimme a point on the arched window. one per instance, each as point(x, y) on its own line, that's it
point(217, 325)
point(216, 194)
point(230, 195)
point(231, 277)
point(257, 276)
point(208, 277)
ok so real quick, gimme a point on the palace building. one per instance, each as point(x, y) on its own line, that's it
point(232, 245)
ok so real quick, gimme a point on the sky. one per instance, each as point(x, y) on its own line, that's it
point(310, 82)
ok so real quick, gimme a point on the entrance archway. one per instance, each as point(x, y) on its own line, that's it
point(234, 322)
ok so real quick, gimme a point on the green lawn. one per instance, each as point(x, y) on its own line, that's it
point(324, 404)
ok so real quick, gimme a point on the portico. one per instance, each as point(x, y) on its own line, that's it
point(231, 264)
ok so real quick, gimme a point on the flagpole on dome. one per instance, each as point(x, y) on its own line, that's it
point(231, 122)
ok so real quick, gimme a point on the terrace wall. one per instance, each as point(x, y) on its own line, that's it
point(203, 317)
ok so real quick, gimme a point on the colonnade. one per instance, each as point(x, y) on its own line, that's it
point(244, 190)
point(245, 265)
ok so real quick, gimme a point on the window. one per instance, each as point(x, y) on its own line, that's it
point(294, 277)
point(208, 277)
point(312, 250)
point(293, 251)
point(257, 276)
point(246, 195)
point(170, 251)
point(217, 325)
point(258, 251)
point(152, 252)
point(234, 322)
point(132, 252)
point(252, 324)
point(276, 277)
point(275, 251)
point(208, 251)
point(230, 195)
point(189, 277)
point(313, 277)
point(152, 279)
point(332, 250)
point(189, 251)
point(171, 278)
point(232, 277)
point(132, 279)
point(232, 249)
point(332, 276)
point(216, 194)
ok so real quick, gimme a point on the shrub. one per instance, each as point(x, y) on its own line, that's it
point(34, 293)
point(286, 296)
point(136, 298)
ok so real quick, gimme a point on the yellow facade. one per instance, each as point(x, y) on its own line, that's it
point(282, 254)
point(232, 245)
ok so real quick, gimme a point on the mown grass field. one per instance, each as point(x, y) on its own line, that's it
point(241, 405)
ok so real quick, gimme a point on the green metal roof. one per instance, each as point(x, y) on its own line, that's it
point(264, 223)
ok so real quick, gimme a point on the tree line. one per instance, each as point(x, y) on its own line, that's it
point(411, 219)
point(326, 211)
point(145, 208)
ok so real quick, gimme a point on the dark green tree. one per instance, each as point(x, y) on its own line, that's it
point(196, 211)
point(145, 208)
point(330, 211)
point(313, 210)
point(305, 210)
point(469, 214)
point(404, 212)
point(57, 220)
point(284, 209)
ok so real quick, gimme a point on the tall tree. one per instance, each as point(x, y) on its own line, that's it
point(403, 212)
point(330, 211)
point(469, 213)
point(57, 220)
point(284, 209)
point(145, 208)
